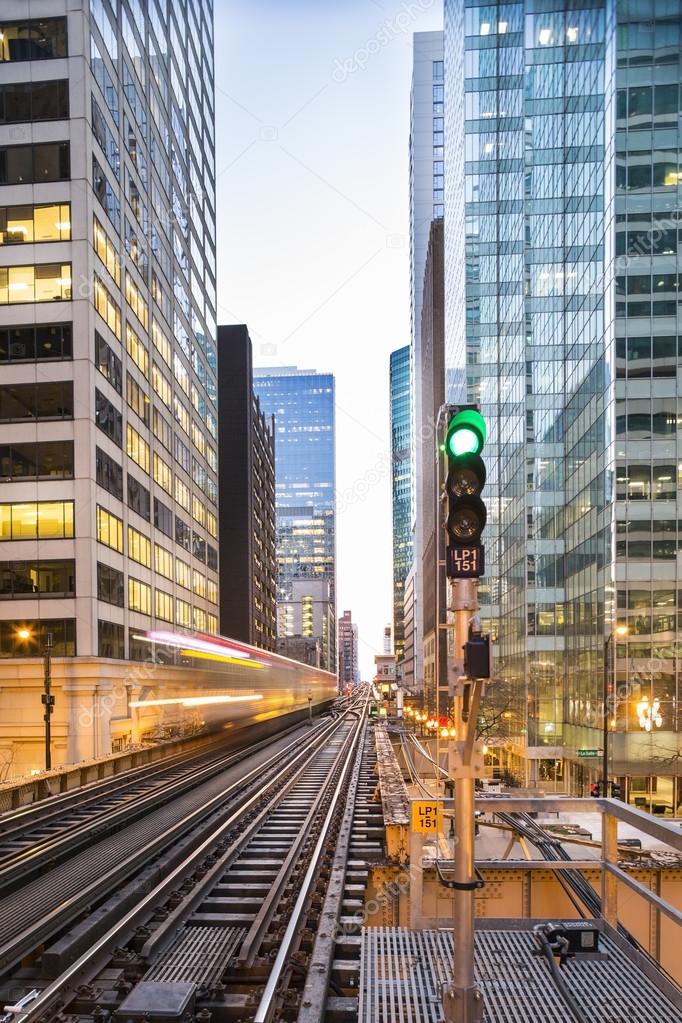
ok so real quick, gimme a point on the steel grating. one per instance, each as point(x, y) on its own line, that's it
point(199, 954)
point(402, 973)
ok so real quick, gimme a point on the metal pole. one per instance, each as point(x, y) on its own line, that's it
point(461, 1000)
point(605, 739)
point(310, 709)
point(48, 701)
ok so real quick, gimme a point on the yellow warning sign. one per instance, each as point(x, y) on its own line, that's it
point(427, 816)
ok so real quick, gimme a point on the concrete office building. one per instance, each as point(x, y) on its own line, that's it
point(309, 615)
point(302, 403)
point(561, 274)
point(427, 157)
point(349, 673)
point(246, 484)
point(108, 415)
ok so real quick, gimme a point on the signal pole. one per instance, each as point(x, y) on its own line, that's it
point(465, 520)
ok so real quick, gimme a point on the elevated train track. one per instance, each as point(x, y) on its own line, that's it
point(207, 905)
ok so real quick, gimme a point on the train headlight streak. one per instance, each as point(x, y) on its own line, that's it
point(195, 701)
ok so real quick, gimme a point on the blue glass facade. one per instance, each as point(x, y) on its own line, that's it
point(559, 293)
point(401, 483)
point(302, 402)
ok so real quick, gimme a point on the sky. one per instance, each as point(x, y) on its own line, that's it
point(312, 130)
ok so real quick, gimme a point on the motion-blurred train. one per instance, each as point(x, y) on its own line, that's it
point(196, 681)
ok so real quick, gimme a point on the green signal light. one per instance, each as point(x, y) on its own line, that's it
point(467, 433)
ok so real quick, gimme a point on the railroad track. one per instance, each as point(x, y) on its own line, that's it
point(37, 838)
point(219, 929)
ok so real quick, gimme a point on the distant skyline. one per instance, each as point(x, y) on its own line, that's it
point(312, 129)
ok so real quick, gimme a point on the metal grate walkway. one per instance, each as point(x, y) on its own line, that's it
point(197, 954)
point(402, 972)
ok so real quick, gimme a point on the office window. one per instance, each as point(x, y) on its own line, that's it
point(183, 613)
point(36, 460)
point(111, 640)
point(108, 363)
point(212, 591)
point(51, 341)
point(137, 399)
point(110, 585)
point(198, 510)
point(62, 630)
point(199, 547)
point(183, 574)
point(163, 561)
point(182, 494)
point(183, 534)
point(139, 548)
point(139, 596)
point(37, 39)
point(212, 557)
point(212, 624)
point(163, 518)
point(212, 524)
point(136, 302)
point(41, 520)
point(22, 579)
point(438, 69)
point(34, 101)
point(163, 605)
point(46, 282)
point(109, 529)
point(27, 165)
point(161, 385)
point(106, 250)
point(161, 342)
point(139, 499)
point(102, 188)
point(21, 403)
point(137, 448)
point(162, 474)
point(199, 619)
point(198, 583)
point(182, 454)
point(49, 223)
point(107, 307)
point(108, 419)
point(109, 474)
point(162, 430)
point(137, 351)
point(181, 414)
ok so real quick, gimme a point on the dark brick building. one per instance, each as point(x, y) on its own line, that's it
point(246, 482)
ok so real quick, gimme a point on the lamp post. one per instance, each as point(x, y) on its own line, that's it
point(620, 631)
point(48, 699)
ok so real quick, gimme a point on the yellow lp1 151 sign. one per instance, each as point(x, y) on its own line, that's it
point(427, 816)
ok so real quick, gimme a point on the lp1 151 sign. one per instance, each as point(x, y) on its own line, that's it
point(464, 561)
point(427, 816)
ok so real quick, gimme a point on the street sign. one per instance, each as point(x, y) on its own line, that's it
point(464, 561)
point(427, 816)
point(590, 753)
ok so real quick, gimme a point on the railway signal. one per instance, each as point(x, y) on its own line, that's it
point(466, 513)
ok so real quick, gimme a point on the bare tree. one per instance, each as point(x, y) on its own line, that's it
point(495, 710)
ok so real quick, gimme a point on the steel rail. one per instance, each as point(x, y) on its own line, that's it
point(267, 1004)
point(28, 863)
point(116, 934)
point(35, 934)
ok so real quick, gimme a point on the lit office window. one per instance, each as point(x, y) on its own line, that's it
point(47, 282)
point(199, 619)
point(136, 302)
point(106, 250)
point(163, 605)
point(109, 529)
point(183, 574)
point(198, 583)
point(163, 474)
point(163, 561)
point(50, 223)
point(139, 596)
point(139, 547)
point(183, 613)
point(107, 307)
point(161, 385)
point(36, 520)
point(137, 448)
point(137, 351)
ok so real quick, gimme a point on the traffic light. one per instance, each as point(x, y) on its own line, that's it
point(466, 513)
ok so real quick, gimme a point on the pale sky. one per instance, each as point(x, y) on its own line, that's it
point(312, 128)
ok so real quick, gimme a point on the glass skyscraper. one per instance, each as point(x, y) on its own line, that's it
point(561, 276)
point(302, 402)
point(401, 483)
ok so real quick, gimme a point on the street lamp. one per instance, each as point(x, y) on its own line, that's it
point(47, 699)
point(620, 631)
